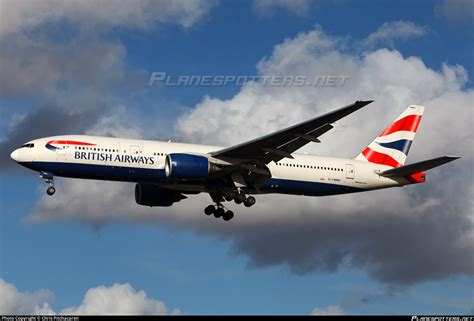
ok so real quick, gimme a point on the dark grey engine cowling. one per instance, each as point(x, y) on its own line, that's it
point(154, 195)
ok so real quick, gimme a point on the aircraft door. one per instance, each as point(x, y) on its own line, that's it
point(135, 150)
point(61, 154)
point(350, 171)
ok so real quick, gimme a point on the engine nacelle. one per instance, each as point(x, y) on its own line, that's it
point(188, 166)
point(154, 195)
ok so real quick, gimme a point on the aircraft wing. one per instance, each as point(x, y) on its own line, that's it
point(283, 143)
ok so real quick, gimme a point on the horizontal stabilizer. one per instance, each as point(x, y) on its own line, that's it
point(418, 167)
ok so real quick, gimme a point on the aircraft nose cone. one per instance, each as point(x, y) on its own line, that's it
point(14, 155)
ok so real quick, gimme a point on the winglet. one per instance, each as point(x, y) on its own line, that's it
point(364, 102)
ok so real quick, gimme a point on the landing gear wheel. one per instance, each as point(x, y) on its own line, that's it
point(250, 201)
point(209, 210)
point(228, 215)
point(51, 190)
point(229, 197)
point(219, 212)
point(48, 178)
point(239, 198)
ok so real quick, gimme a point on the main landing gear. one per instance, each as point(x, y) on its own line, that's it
point(48, 177)
point(220, 210)
point(241, 198)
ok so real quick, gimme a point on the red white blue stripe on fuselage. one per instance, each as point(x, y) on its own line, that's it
point(52, 144)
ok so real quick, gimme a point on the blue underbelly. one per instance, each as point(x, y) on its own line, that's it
point(285, 186)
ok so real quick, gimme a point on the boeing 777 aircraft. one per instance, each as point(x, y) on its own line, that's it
point(165, 172)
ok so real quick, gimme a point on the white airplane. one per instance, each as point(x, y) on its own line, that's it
point(165, 172)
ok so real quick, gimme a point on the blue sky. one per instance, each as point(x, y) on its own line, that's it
point(196, 269)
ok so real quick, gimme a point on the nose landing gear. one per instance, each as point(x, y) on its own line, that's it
point(48, 177)
point(51, 190)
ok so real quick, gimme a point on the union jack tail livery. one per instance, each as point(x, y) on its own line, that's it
point(392, 145)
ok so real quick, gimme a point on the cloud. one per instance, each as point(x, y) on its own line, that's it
point(120, 299)
point(268, 7)
point(35, 59)
point(21, 16)
point(40, 69)
point(329, 310)
point(456, 10)
point(45, 121)
point(398, 236)
point(388, 32)
point(70, 80)
point(116, 124)
point(69, 86)
point(15, 302)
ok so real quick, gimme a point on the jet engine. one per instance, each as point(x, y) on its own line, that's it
point(154, 195)
point(188, 166)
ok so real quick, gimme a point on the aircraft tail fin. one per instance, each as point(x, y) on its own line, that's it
point(392, 145)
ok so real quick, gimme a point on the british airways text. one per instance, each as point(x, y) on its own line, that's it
point(118, 158)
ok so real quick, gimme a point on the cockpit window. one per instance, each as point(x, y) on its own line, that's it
point(28, 145)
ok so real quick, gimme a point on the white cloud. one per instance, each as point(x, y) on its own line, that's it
point(329, 310)
point(394, 30)
point(116, 124)
point(377, 231)
point(117, 299)
point(266, 7)
point(14, 302)
point(20, 16)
